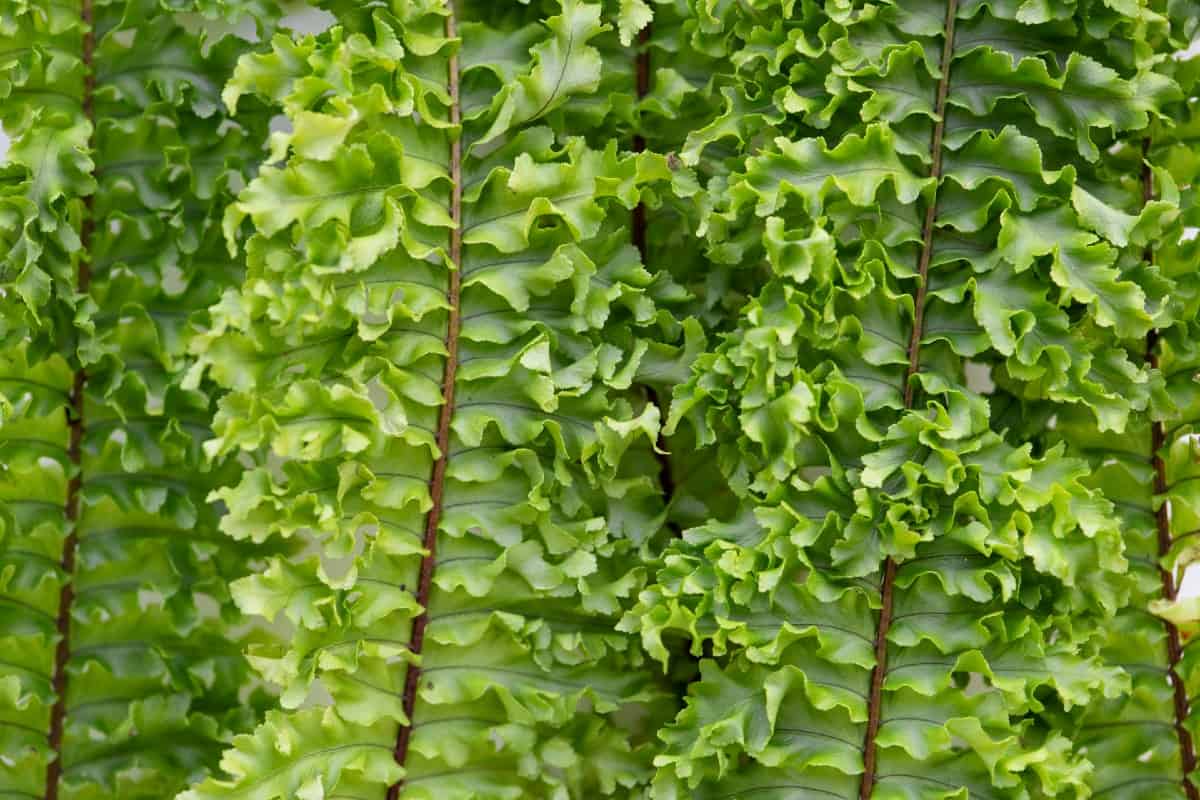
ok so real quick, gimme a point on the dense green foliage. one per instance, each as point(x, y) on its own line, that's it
point(1149, 472)
point(120, 166)
point(903, 590)
point(439, 332)
point(713, 399)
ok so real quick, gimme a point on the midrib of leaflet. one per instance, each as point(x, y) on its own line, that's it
point(879, 672)
point(438, 479)
point(75, 422)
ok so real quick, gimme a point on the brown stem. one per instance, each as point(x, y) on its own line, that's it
point(75, 426)
point(1187, 750)
point(438, 480)
point(875, 704)
point(642, 79)
point(638, 235)
point(875, 701)
point(935, 172)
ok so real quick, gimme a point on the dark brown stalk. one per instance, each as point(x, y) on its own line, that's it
point(437, 481)
point(1187, 749)
point(642, 83)
point(75, 426)
point(875, 701)
point(638, 235)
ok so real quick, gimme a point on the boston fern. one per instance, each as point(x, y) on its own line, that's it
point(434, 359)
point(121, 666)
point(910, 600)
point(711, 399)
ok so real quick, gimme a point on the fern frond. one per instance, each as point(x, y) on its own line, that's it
point(907, 586)
point(122, 675)
point(433, 358)
point(1142, 743)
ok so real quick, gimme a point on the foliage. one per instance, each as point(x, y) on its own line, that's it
point(433, 357)
point(1142, 743)
point(598, 398)
point(908, 593)
point(115, 610)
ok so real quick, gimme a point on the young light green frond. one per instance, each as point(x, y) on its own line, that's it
point(434, 358)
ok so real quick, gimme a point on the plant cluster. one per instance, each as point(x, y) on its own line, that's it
point(662, 399)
